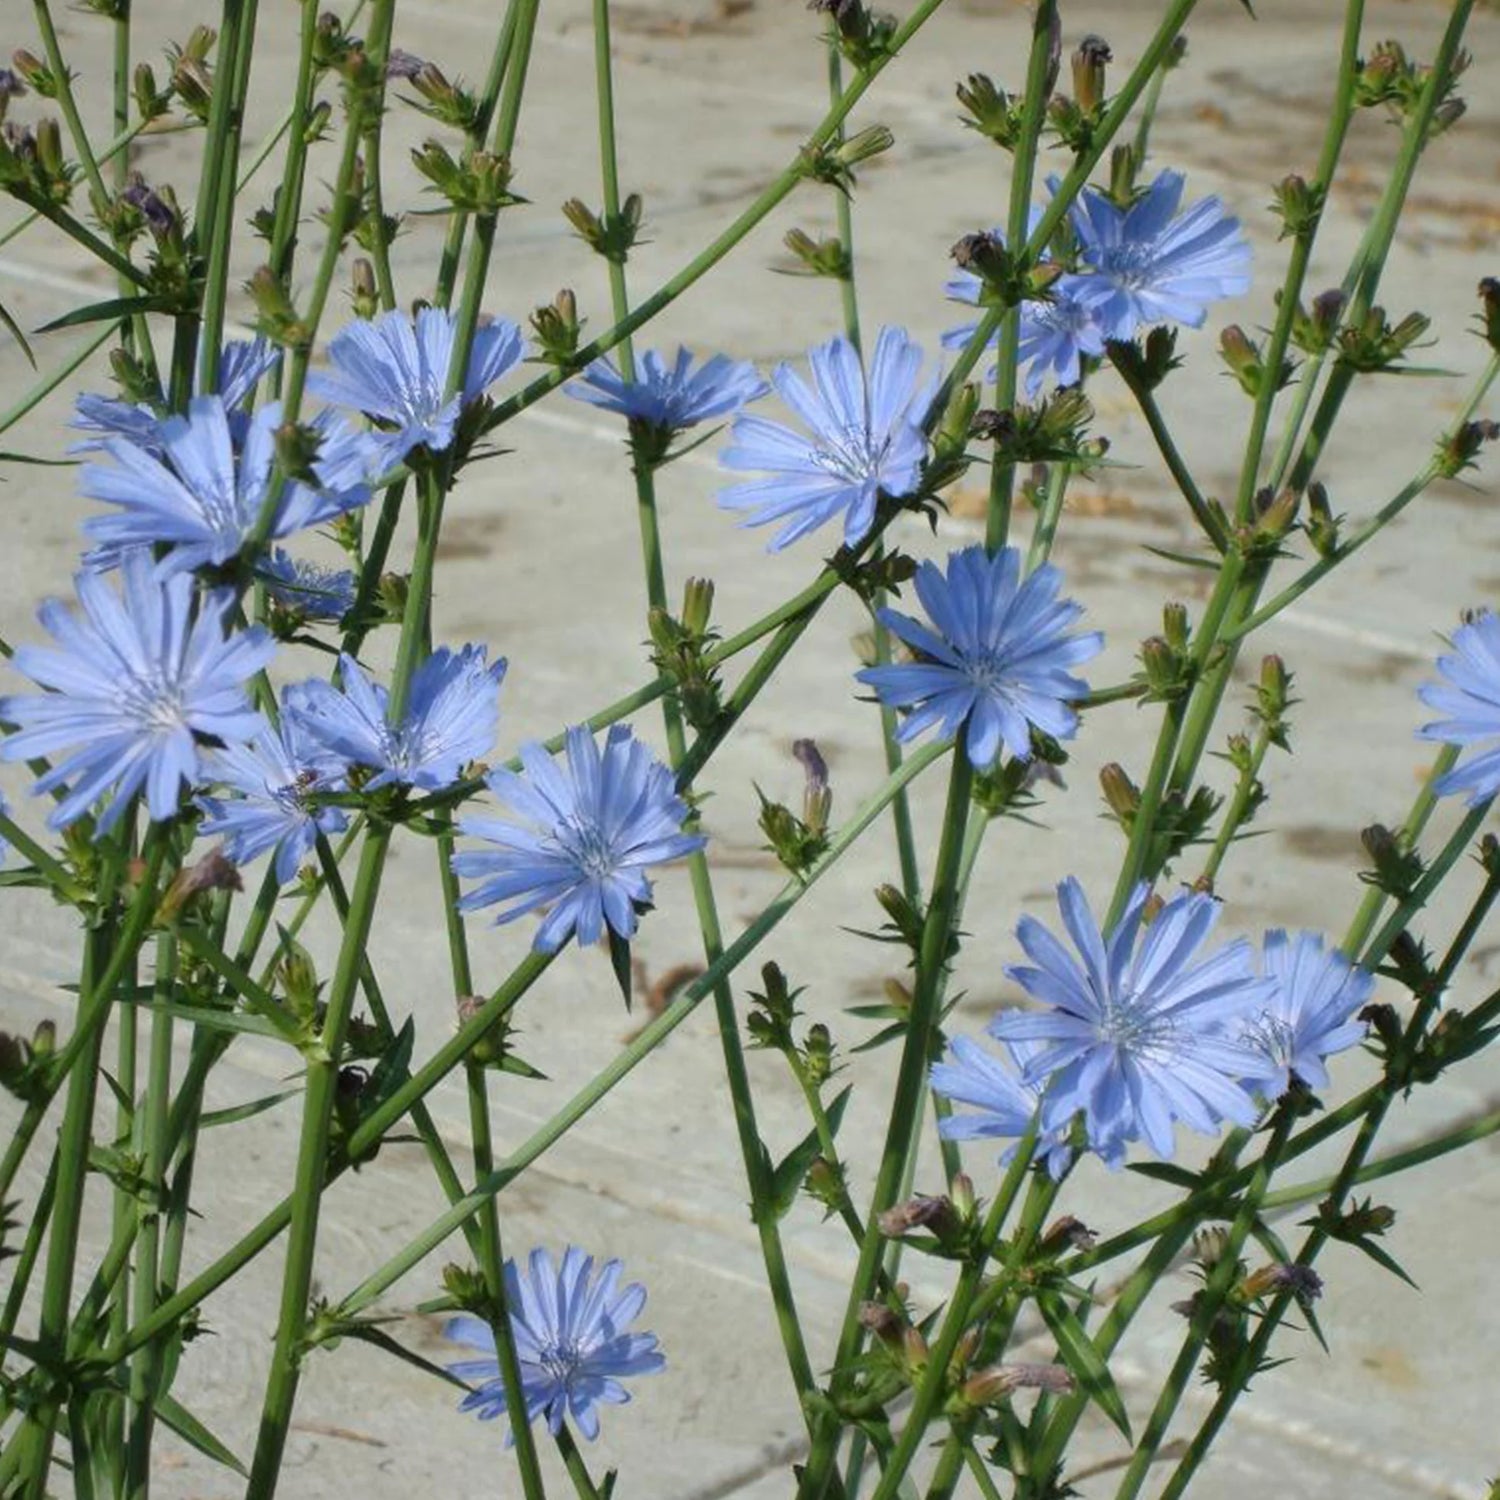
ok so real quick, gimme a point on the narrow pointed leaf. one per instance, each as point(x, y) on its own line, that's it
point(232, 1114)
point(115, 307)
point(369, 1334)
point(176, 1416)
point(1083, 1359)
point(14, 329)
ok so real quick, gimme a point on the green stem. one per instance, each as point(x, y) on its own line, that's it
point(289, 194)
point(1023, 171)
point(578, 1472)
point(949, 1466)
point(650, 1037)
point(312, 1166)
point(146, 1366)
point(492, 1265)
point(956, 1321)
point(1206, 1308)
point(236, 51)
point(916, 1053)
point(1166, 446)
point(1239, 806)
point(1387, 513)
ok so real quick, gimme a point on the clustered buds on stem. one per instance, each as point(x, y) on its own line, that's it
point(611, 235)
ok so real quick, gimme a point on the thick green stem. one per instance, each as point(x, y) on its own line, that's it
point(312, 1166)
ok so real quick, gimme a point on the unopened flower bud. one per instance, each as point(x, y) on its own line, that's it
point(1066, 1233)
point(935, 1214)
point(1489, 305)
point(364, 293)
point(33, 70)
point(1089, 63)
point(872, 141)
point(1120, 792)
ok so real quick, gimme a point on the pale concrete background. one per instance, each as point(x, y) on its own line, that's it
point(538, 561)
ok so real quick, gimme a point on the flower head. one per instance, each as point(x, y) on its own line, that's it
point(1309, 1015)
point(395, 370)
point(275, 776)
point(1150, 264)
point(450, 719)
point(1056, 333)
point(572, 1342)
point(198, 495)
point(1005, 1103)
point(242, 363)
point(1471, 699)
point(1135, 1035)
point(997, 660)
point(137, 684)
point(866, 437)
point(600, 822)
point(671, 397)
point(307, 588)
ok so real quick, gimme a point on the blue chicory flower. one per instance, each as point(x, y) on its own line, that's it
point(600, 822)
point(573, 1344)
point(307, 588)
point(242, 363)
point(1004, 1102)
point(395, 369)
point(1309, 1015)
point(275, 776)
point(670, 397)
point(199, 496)
point(450, 720)
point(1470, 697)
point(866, 437)
point(1056, 334)
point(137, 684)
point(1136, 1035)
point(1150, 264)
point(997, 661)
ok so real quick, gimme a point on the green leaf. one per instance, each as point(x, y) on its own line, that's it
point(14, 330)
point(6, 456)
point(116, 307)
point(1188, 559)
point(216, 1020)
point(1083, 1359)
point(232, 1114)
point(175, 1415)
point(788, 1176)
point(368, 1333)
point(1164, 1171)
point(619, 958)
point(394, 1067)
point(1383, 1258)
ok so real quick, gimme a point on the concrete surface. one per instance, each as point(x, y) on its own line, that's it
point(538, 562)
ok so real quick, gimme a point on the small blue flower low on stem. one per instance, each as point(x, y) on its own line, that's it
point(573, 1344)
point(997, 662)
point(600, 821)
point(275, 778)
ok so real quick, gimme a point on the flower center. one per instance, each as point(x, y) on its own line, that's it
point(987, 671)
point(1131, 1025)
point(588, 848)
point(561, 1360)
point(156, 704)
point(852, 453)
point(1129, 266)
